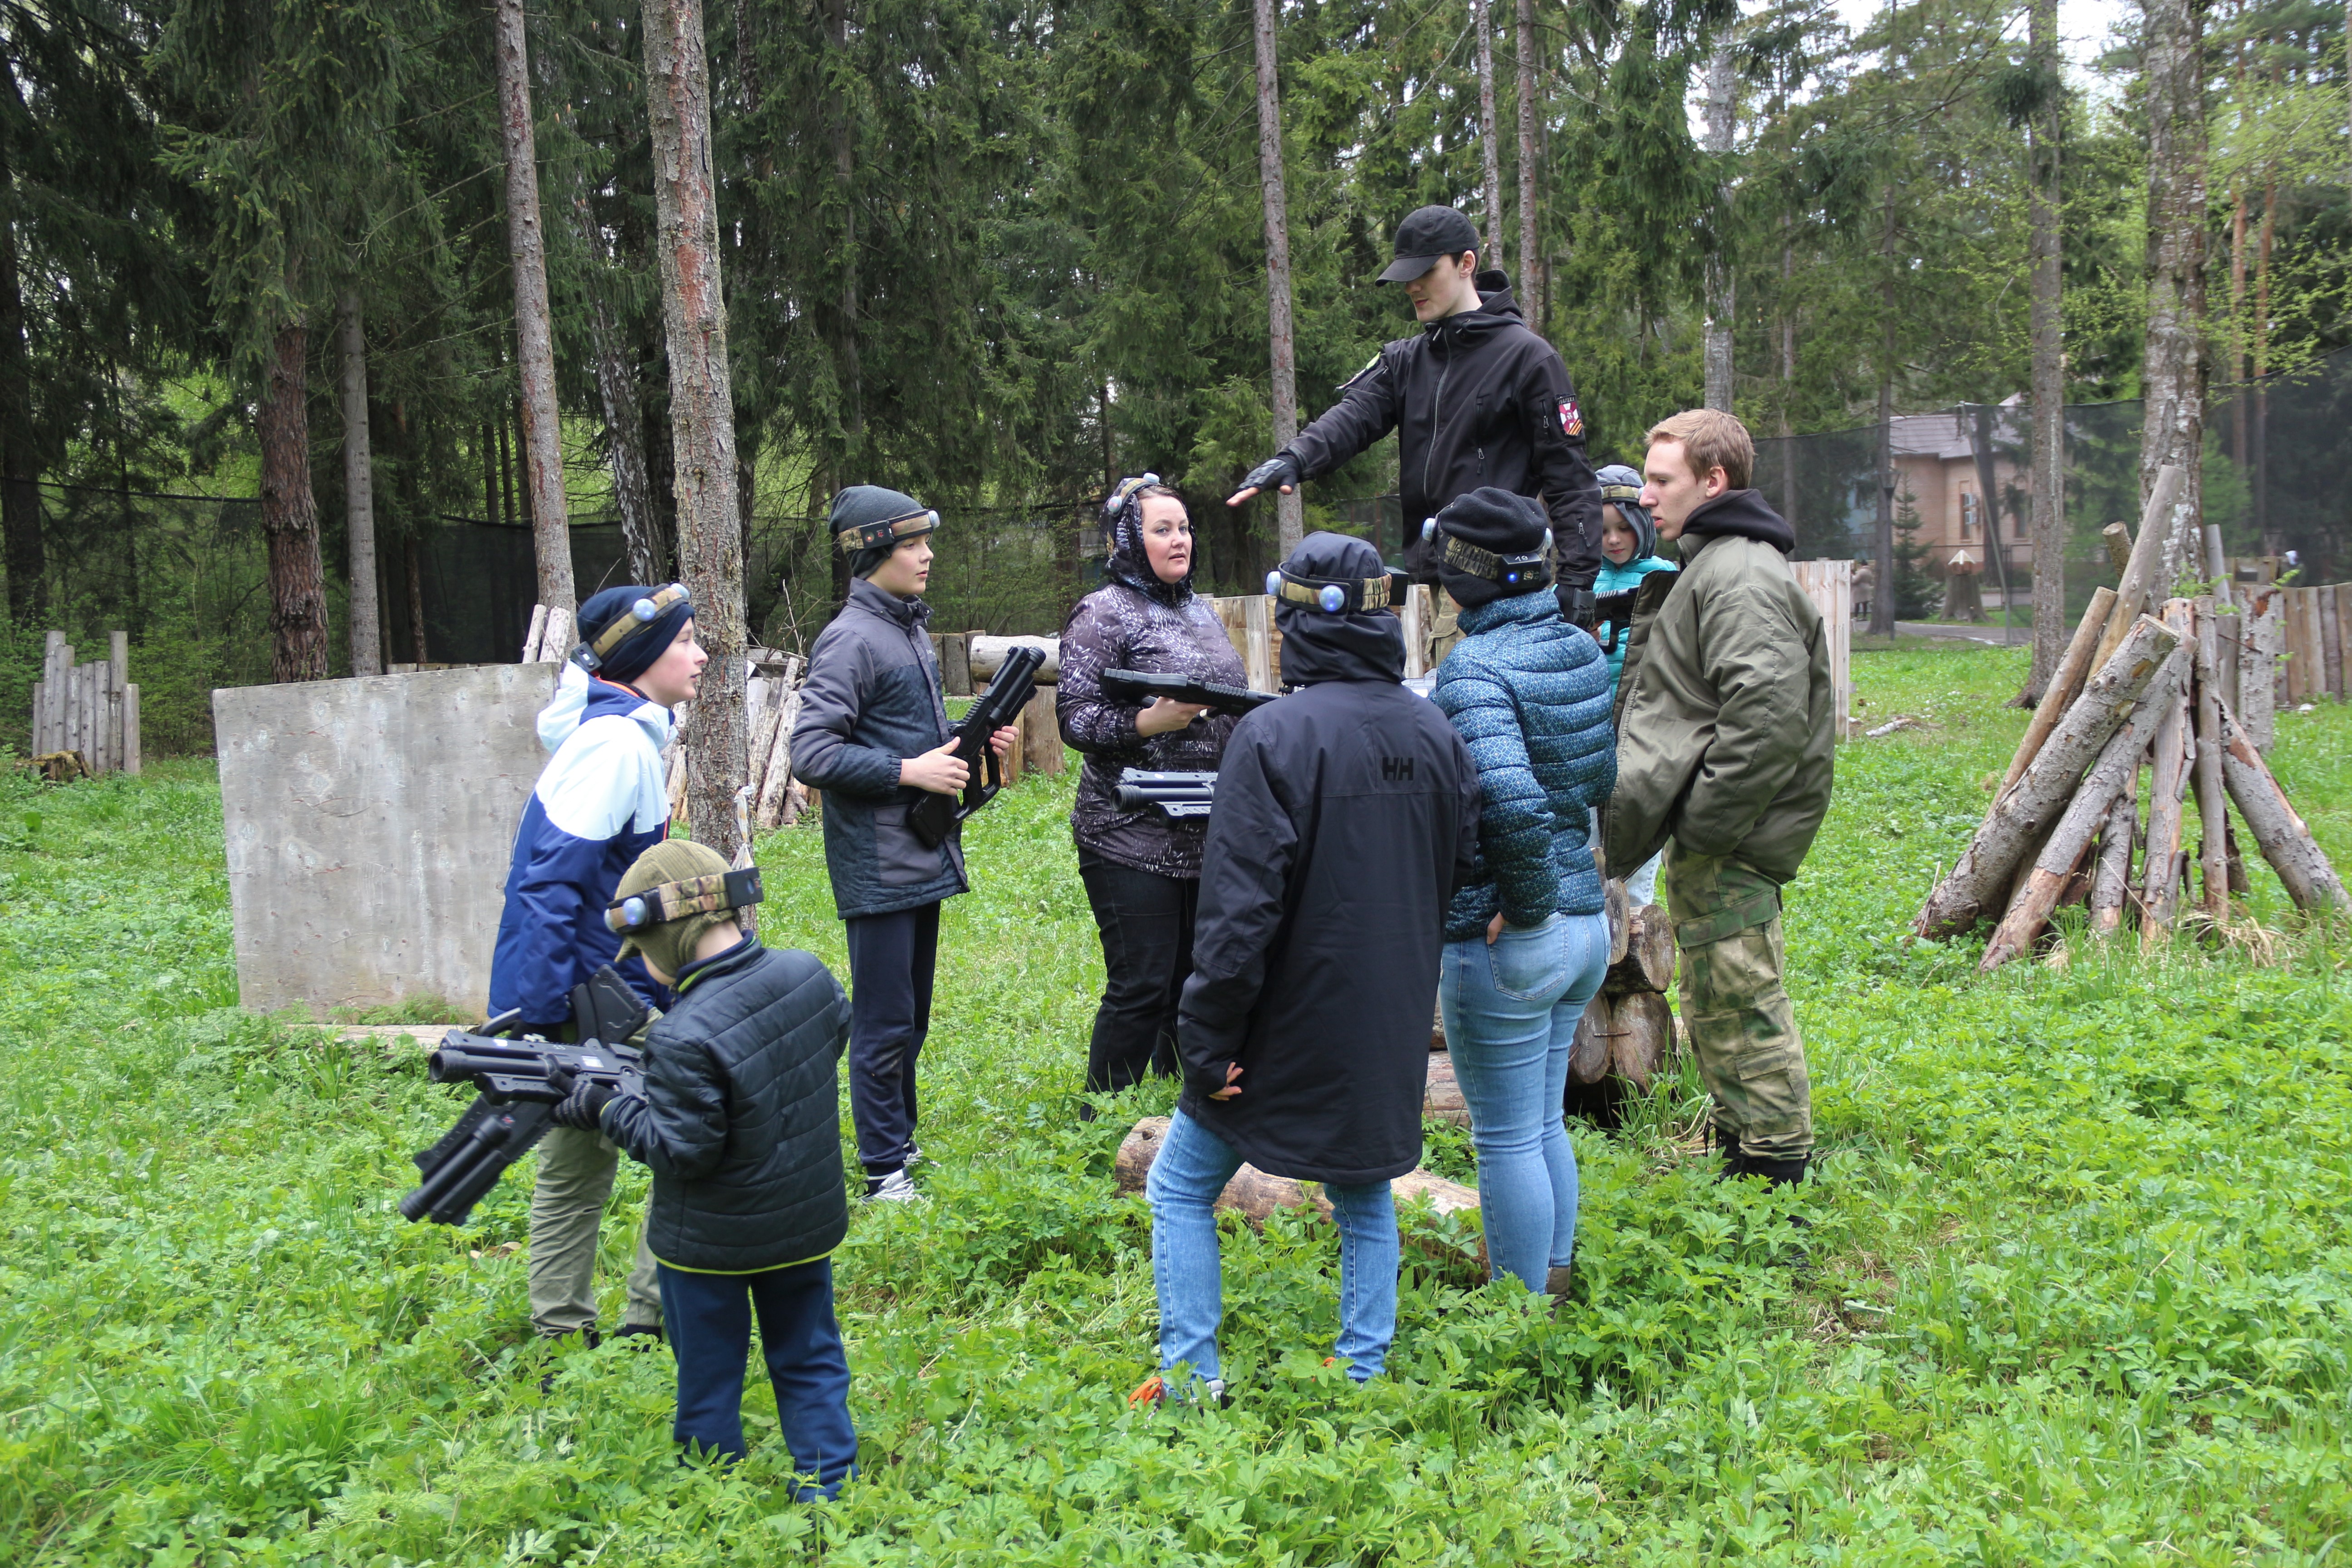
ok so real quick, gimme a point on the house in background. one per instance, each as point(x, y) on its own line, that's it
point(1941, 478)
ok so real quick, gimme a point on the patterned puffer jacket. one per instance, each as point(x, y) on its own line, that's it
point(1529, 695)
point(1119, 627)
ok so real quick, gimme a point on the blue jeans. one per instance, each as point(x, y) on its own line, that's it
point(1511, 1011)
point(709, 1319)
point(1193, 1166)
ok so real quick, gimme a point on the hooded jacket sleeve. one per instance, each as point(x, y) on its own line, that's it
point(1092, 642)
point(679, 1126)
point(585, 798)
point(1367, 410)
point(1244, 888)
point(1571, 495)
point(822, 753)
point(1757, 658)
point(1514, 823)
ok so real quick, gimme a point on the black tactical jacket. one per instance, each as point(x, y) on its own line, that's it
point(1476, 399)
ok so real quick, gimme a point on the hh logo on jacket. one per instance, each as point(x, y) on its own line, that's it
point(1396, 770)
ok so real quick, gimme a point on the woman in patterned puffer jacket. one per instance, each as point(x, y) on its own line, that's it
point(1525, 941)
point(1142, 869)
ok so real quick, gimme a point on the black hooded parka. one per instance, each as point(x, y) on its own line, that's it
point(1346, 815)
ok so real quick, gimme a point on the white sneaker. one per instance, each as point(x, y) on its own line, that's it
point(895, 1188)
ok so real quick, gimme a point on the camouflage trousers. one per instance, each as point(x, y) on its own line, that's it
point(1742, 1029)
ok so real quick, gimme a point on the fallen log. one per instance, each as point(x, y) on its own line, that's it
point(2026, 808)
point(1641, 1037)
point(1588, 1057)
point(2135, 591)
point(1647, 961)
point(2112, 880)
point(1440, 1097)
point(2065, 682)
point(1258, 1196)
point(2212, 810)
point(1620, 910)
point(2278, 832)
point(2159, 889)
point(986, 655)
point(2110, 778)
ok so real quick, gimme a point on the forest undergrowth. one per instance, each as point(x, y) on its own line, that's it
point(2077, 1287)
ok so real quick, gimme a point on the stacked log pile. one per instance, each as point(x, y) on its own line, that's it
point(2140, 689)
point(1627, 1031)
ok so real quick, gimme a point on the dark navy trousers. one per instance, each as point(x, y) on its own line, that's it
point(709, 1321)
point(892, 958)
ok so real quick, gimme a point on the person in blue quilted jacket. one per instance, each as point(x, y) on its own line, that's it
point(598, 805)
point(1526, 939)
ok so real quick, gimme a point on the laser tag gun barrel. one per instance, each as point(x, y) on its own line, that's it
point(516, 1097)
point(934, 817)
point(1179, 795)
point(1138, 686)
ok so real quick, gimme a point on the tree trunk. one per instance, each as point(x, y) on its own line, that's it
point(20, 462)
point(1530, 59)
point(702, 407)
point(2045, 327)
point(289, 513)
point(543, 445)
point(2261, 369)
point(416, 641)
point(1290, 517)
point(2065, 684)
point(1996, 553)
point(1489, 146)
point(359, 495)
point(2173, 363)
point(2111, 883)
point(2160, 893)
point(847, 365)
point(1722, 108)
point(2213, 809)
point(2026, 810)
point(1882, 593)
point(625, 442)
point(2110, 778)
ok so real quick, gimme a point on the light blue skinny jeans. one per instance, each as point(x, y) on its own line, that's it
point(1511, 1011)
point(1193, 1166)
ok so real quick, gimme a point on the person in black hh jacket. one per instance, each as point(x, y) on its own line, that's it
point(1476, 399)
point(1346, 814)
point(1141, 868)
point(740, 1118)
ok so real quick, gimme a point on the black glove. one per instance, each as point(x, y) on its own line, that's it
point(1280, 470)
point(1577, 606)
point(584, 1101)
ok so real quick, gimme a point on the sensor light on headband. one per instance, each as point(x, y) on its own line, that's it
point(675, 900)
point(1525, 573)
point(1338, 596)
point(890, 531)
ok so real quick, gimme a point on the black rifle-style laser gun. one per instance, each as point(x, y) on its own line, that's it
point(1141, 686)
point(934, 817)
point(513, 1108)
point(1179, 795)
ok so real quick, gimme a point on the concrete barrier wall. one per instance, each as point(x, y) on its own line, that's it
point(368, 825)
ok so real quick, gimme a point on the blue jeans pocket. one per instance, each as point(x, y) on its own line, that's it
point(1531, 962)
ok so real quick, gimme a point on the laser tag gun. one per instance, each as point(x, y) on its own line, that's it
point(1613, 617)
point(1179, 795)
point(515, 1105)
point(934, 817)
point(1140, 687)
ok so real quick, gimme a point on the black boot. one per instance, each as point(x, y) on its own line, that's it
point(1728, 1143)
point(1781, 1173)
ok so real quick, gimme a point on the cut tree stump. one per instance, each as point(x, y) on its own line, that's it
point(1587, 1058)
point(1647, 960)
point(1443, 1096)
point(2026, 810)
point(1258, 1196)
point(1641, 1037)
point(2278, 832)
point(1437, 1030)
point(1620, 910)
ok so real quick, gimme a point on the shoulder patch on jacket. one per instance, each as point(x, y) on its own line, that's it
point(1572, 419)
point(1368, 366)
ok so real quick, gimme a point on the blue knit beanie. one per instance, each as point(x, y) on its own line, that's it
point(634, 653)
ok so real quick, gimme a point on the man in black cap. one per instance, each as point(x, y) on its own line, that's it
point(1476, 399)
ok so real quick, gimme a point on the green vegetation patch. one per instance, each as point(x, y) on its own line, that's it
point(2074, 1287)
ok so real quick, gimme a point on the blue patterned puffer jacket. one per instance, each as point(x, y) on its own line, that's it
point(1528, 693)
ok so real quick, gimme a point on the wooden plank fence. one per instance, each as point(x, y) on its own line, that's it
point(90, 709)
point(2313, 622)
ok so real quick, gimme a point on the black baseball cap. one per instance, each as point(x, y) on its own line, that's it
point(1427, 234)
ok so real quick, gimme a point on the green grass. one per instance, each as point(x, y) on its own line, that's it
point(2081, 1288)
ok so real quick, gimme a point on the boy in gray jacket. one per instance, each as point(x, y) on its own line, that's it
point(873, 734)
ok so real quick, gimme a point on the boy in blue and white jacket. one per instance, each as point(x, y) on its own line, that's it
point(599, 803)
point(1629, 543)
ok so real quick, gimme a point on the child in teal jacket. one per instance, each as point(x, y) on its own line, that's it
point(1629, 542)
